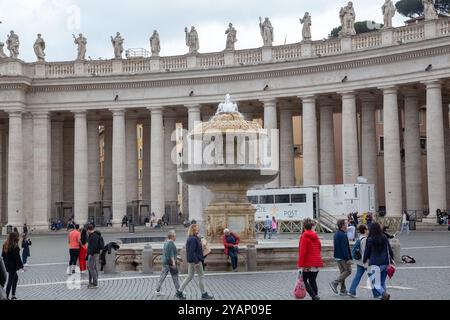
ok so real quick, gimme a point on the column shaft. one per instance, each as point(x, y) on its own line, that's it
point(15, 170)
point(93, 161)
point(132, 159)
point(107, 165)
point(310, 148)
point(169, 157)
point(146, 190)
point(157, 163)
point(119, 196)
point(271, 123)
point(80, 169)
point(57, 163)
point(350, 162)
point(327, 153)
point(287, 169)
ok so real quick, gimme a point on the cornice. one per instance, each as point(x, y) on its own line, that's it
point(255, 73)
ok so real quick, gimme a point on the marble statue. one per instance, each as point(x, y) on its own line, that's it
point(266, 31)
point(192, 40)
point(429, 10)
point(13, 45)
point(155, 44)
point(306, 31)
point(231, 37)
point(39, 47)
point(388, 10)
point(2, 53)
point(228, 106)
point(81, 42)
point(347, 16)
point(117, 43)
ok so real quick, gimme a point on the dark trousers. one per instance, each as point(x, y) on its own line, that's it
point(267, 231)
point(309, 278)
point(74, 254)
point(232, 253)
point(13, 278)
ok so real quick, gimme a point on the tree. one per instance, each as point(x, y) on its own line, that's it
point(360, 27)
point(414, 8)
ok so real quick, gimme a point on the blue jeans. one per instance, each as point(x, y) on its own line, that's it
point(357, 279)
point(378, 276)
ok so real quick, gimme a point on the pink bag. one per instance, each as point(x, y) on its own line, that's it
point(300, 289)
point(390, 271)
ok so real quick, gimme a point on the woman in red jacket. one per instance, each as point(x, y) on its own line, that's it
point(230, 242)
point(309, 258)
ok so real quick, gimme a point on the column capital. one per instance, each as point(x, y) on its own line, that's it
point(16, 112)
point(80, 113)
point(40, 115)
point(347, 94)
point(269, 102)
point(308, 98)
point(193, 107)
point(433, 84)
point(117, 111)
point(389, 89)
point(155, 110)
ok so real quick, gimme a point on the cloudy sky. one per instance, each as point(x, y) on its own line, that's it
point(57, 20)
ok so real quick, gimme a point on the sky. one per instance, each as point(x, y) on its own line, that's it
point(98, 20)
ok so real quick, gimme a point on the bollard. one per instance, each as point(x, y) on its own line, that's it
point(183, 266)
point(147, 260)
point(252, 263)
point(110, 259)
point(395, 244)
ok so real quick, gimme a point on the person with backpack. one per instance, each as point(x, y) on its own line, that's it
point(405, 222)
point(358, 253)
point(74, 247)
point(268, 227)
point(13, 263)
point(343, 257)
point(83, 250)
point(380, 256)
point(26, 243)
point(309, 258)
point(95, 245)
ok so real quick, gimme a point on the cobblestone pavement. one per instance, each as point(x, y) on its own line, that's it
point(46, 278)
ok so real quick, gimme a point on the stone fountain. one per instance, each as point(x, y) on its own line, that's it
point(228, 155)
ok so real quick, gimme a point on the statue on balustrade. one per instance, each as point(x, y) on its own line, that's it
point(266, 31)
point(81, 42)
point(117, 43)
point(13, 45)
point(429, 10)
point(388, 10)
point(231, 37)
point(347, 15)
point(306, 31)
point(39, 47)
point(155, 44)
point(2, 53)
point(192, 40)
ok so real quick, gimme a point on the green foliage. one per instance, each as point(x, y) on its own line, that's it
point(360, 27)
point(414, 8)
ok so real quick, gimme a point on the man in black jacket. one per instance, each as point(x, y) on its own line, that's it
point(95, 246)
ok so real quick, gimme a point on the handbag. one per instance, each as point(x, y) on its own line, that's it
point(391, 268)
point(300, 289)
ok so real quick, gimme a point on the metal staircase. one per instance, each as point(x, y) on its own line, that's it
point(327, 222)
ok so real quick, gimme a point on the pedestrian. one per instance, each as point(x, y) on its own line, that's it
point(74, 247)
point(95, 245)
point(343, 257)
point(268, 227)
point(194, 256)
point(124, 221)
point(355, 218)
point(26, 243)
point(364, 218)
point(379, 254)
point(169, 262)
point(25, 229)
point(309, 258)
point(231, 243)
point(351, 231)
point(358, 254)
point(83, 250)
point(369, 219)
point(13, 263)
point(274, 226)
point(405, 222)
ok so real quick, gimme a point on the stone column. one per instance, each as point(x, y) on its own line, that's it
point(327, 153)
point(437, 188)
point(287, 167)
point(57, 162)
point(350, 161)
point(310, 148)
point(42, 170)
point(15, 169)
point(80, 168)
point(392, 164)
point(131, 159)
point(28, 167)
point(447, 152)
point(369, 142)
point(3, 215)
point(413, 153)
point(146, 191)
point(270, 123)
point(93, 160)
point(107, 165)
point(119, 195)
point(157, 183)
point(171, 174)
point(195, 192)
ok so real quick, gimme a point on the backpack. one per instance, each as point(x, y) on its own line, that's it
point(300, 289)
point(356, 251)
point(101, 243)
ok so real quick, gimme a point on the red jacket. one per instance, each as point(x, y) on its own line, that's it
point(230, 245)
point(309, 251)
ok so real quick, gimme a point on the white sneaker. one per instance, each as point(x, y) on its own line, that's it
point(158, 293)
